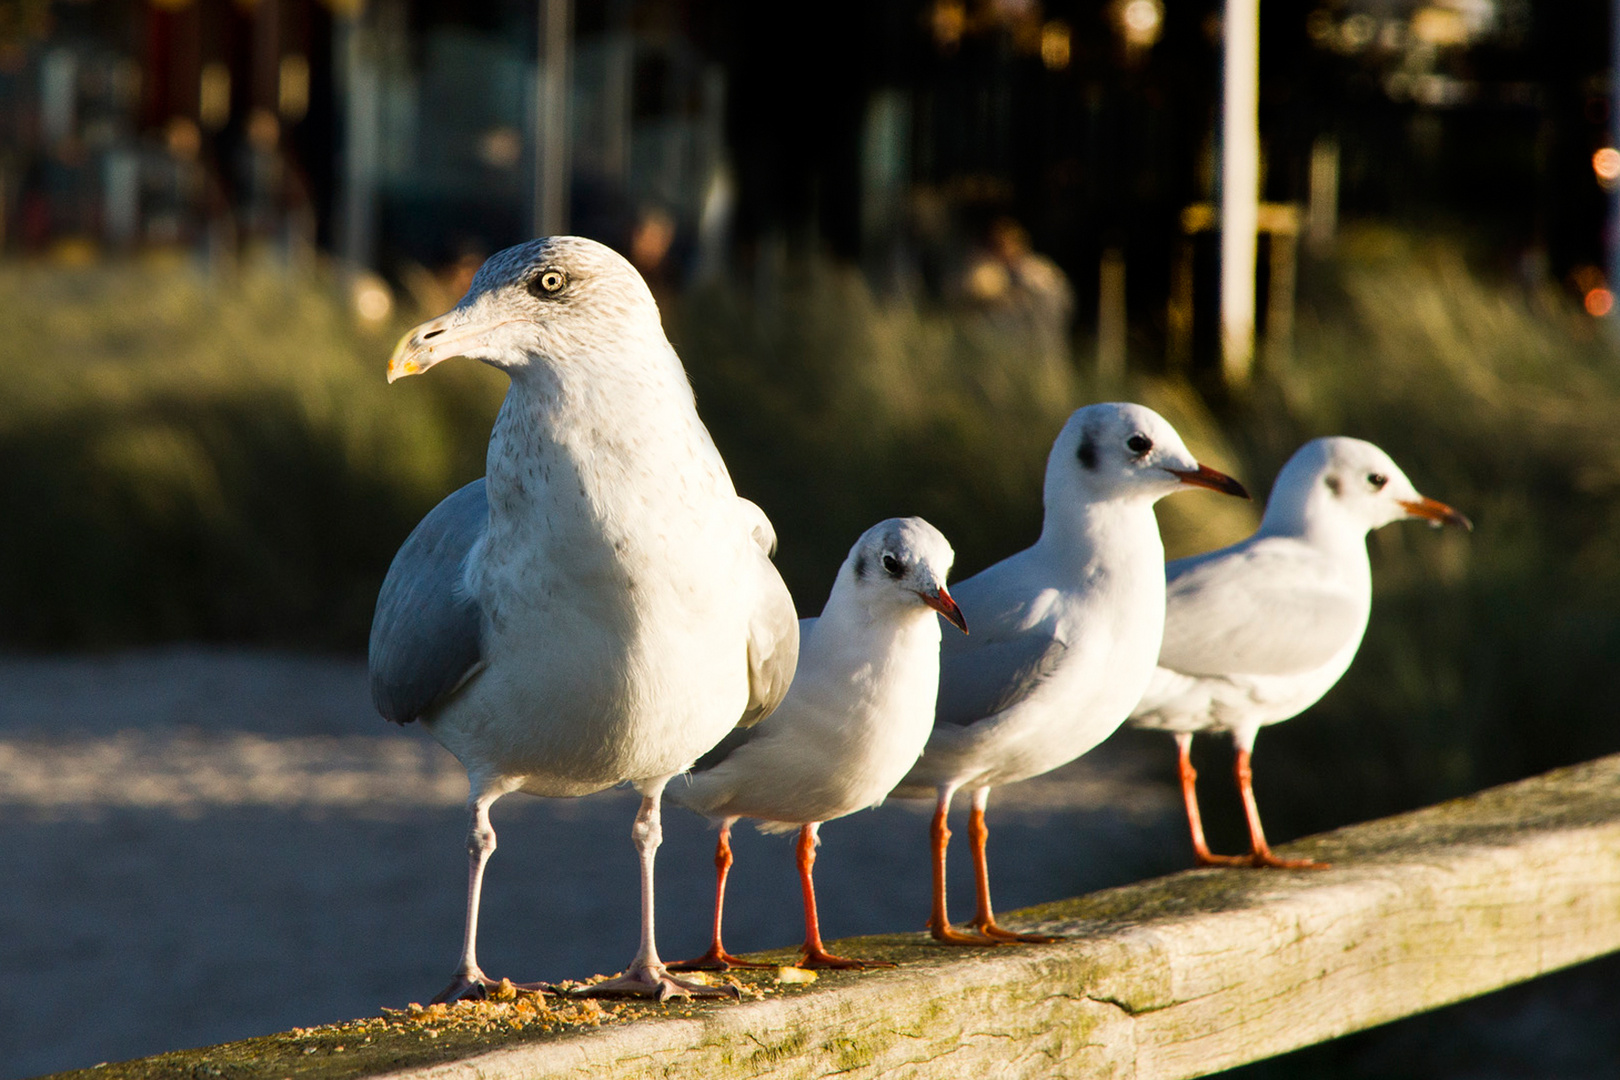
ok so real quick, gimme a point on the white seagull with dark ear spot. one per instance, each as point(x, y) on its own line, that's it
point(1065, 633)
point(601, 607)
point(1255, 633)
point(853, 722)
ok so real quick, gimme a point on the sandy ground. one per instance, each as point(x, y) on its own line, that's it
point(200, 846)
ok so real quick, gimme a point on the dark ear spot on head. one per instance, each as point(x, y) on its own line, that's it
point(1087, 452)
point(860, 567)
point(1333, 485)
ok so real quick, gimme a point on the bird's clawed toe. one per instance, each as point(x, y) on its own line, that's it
point(1266, 860)
point(655, 982)
point(465, 987)
point(476, 986)
point(949, 935)
point(715, 960)
point(1001, 935)
point(822, 959)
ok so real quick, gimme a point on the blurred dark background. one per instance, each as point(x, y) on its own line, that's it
point(895, 245)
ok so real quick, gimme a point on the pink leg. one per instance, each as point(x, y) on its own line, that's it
point(470, 980)
point(646, 976)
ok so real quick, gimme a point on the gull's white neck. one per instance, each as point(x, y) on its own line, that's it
point(1102, 537)
point(593, 449)
point(1318, 523)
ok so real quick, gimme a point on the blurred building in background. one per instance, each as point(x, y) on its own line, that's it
point(413, 137)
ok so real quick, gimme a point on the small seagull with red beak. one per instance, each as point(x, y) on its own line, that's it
point(1065, 633)
point(854, 720)
point(1257, 632)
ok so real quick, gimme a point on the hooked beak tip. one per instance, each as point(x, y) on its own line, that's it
point(402, 361)
point(942, 603)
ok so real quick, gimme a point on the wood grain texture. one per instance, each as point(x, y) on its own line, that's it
point(1171, 978)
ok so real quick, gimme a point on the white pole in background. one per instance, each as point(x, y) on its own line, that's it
point(1240, 186)
point(551, 139)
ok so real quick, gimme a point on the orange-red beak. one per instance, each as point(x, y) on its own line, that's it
point(942, 603)
point(1436, 511)
point(1215, 480)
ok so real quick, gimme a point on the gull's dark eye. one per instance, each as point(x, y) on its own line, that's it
point(1139, 444)
point(893, 566)
point(547, 283)
point(1377, 480)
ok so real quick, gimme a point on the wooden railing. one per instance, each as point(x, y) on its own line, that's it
point(1176, 977)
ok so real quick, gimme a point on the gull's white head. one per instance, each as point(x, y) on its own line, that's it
point(901, 564)
point(1124, 452)
point(549, 299)
point(1346, 487)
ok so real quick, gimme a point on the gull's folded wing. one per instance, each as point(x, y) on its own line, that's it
point(1269, 609)
point(426, 630)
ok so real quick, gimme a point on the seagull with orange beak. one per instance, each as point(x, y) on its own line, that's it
point(601, 607)
point(1257, 632)
point(853, 722)
point(1065, 633)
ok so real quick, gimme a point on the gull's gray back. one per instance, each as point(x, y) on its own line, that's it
point(425, 633)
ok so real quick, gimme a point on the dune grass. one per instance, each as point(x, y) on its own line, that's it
point(216, 461)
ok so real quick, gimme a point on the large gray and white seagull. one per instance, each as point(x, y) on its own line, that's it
point(1257, 632)
point(601, 607)
point(1065, 632)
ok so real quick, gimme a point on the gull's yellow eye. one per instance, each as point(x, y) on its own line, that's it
point(548, 283)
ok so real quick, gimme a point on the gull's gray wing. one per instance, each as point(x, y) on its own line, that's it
point(773, 626)
point(1261, 609)
point(425, 633)
point(1002, 661)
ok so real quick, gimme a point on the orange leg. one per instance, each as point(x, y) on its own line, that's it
point(1195, 821)
point(717, 959)
point(815, 954)
point(1260, 851)
point(984, 921)
point(939, 923)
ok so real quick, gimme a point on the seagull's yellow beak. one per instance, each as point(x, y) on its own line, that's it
point(424, 346)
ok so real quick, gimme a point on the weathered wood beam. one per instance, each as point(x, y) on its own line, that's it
point(1171, 978)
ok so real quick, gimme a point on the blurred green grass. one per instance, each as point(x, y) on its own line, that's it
point(224, 461)
point(207, 461)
